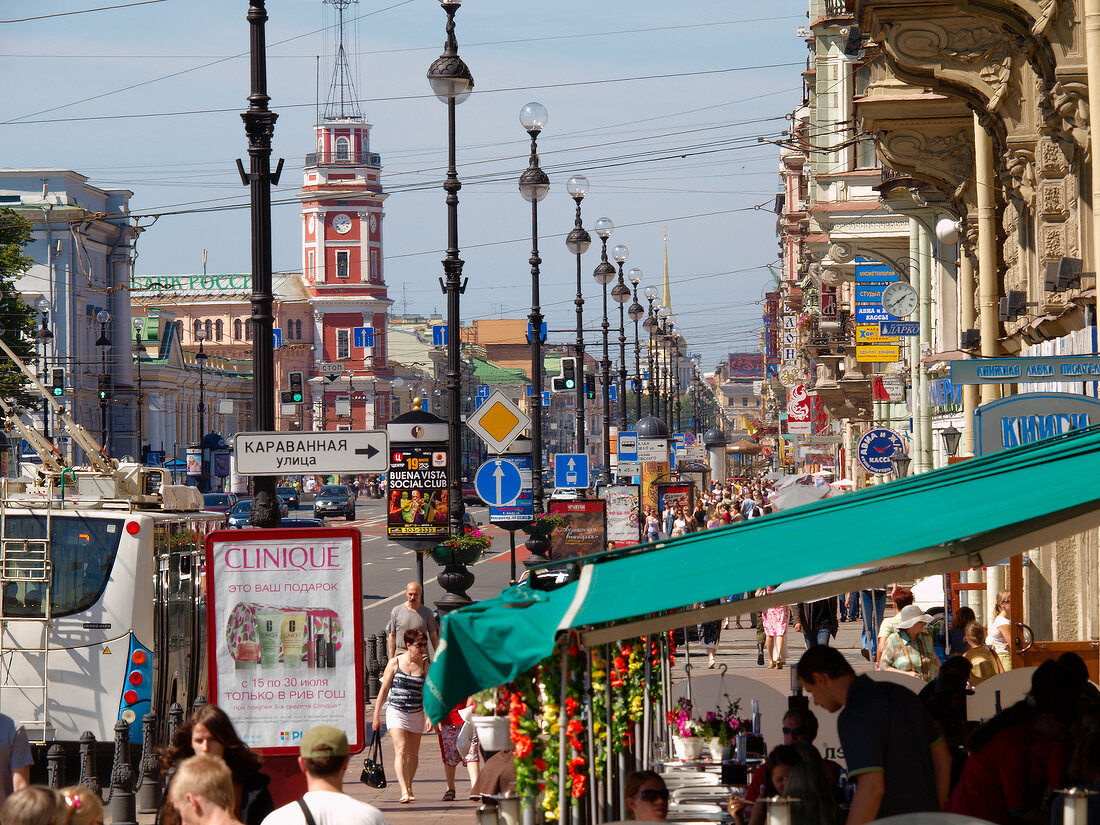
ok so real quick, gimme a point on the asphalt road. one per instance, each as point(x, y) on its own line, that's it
point(388, 566)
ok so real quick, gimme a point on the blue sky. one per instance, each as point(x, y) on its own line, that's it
point(148, 98)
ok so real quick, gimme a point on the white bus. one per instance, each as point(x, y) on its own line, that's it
point(103, 613)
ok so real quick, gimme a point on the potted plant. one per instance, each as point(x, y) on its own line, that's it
point(464, 549)
point(720, 727)
point(543, 524)
point(490, 719)
point(685, 730)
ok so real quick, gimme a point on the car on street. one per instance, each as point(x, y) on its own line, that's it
point(334, 500)
point(290, 496)
point(218, 502)
point(301, 522)
point(469, 494)
point(238, 516)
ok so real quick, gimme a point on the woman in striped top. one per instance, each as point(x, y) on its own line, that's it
point(403, 687)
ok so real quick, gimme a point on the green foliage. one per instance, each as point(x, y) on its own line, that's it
point(16, 315)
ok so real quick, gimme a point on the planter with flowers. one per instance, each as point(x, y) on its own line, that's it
point(686, 738)
point(490, 719)
point(720, 727)
point(538, 532)
point(464, 549)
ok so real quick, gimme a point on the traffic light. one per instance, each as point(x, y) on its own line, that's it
point(104, 387)
point(286, 397)
point(557, 384)
point(569, 372)
point(589, 385)
point(296, 392)
point(57, 382)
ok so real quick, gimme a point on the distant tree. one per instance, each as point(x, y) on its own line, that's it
point(17, 317)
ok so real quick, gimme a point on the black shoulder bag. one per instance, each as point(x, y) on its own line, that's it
point(373, 773)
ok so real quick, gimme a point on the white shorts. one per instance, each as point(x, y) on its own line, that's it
point(412, 722)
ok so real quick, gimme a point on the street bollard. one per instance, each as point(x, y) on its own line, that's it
point(374, 667)
point(123, 809)
point(88, 776)
point(175, 719)
point(200, 700)
point(148, 787)
point(55, 766)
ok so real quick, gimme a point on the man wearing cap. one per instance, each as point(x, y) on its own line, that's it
point(895, 753)
point(323, 758)
point(909, 649)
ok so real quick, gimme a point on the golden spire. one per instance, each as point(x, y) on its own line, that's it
point(666, 298)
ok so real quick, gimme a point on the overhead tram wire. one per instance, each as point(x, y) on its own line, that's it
point(22, 121)
point(81, 11)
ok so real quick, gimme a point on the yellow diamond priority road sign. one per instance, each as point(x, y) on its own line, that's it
point(498, 422)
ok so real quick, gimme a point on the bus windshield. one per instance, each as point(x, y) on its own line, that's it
point(82, 552)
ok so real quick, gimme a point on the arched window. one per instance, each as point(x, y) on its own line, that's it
point(179, 330)
point(248, 330)
point(195, 331)
point(289, 330)
point(219, 329)
point(209, 329)
point(343, 148)
point(237, 329)
point(298, 330)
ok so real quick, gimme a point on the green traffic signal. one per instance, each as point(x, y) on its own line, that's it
point(570, 383)
point(103, 395)
point(58, 391)
point(297, 396)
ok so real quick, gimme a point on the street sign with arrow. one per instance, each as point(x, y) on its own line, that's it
point(498, 481)
point(315, 453)
point(571, 470)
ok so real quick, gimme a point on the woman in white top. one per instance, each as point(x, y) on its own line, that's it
point(1000, 632)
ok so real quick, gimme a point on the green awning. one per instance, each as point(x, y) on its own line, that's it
point(970, 514)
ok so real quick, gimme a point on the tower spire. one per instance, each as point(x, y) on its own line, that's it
point(343, 102)
point(666, 298)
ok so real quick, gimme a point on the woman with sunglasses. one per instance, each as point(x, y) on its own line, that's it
point(403, 686)
point(646, 797)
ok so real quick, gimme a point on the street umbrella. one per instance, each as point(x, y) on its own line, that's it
point(798, 494)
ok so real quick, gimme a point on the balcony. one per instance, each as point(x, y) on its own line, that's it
point(343, 159)
point(836, 8)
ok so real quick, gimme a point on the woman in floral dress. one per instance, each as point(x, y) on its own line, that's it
point(775, 620)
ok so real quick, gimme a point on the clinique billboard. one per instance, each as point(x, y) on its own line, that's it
point(285, 632)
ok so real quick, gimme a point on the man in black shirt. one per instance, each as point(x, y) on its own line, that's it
point(894, 751)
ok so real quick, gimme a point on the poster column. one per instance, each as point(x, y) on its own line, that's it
point(653, 457)
point(715, 441)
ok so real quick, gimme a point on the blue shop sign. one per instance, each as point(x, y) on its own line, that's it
point(1032, 416)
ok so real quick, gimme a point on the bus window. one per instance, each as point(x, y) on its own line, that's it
point(82, 553)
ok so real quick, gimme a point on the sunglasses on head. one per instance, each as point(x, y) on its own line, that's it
point(652, 794)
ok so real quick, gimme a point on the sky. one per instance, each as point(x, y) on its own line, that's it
point(664, 114)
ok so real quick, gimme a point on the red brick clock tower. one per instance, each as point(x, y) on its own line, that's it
point(342, 262)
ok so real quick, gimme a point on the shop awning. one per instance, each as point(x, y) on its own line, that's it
point(970, 514)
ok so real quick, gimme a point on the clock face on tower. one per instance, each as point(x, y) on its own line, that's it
point(342, 223)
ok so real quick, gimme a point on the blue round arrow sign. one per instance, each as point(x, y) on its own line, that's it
point(498, 482)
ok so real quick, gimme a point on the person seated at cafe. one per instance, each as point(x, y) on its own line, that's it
point(799, 725)
point(984, 663)
point(815, 796)
point(909, 649)
point(646, 797)
point(777, 770)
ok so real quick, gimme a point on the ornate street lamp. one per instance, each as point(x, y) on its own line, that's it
point(200, 356)
point(604, 273)
point(452, 83)
point(636, 311)
point(950, 435)
point(621, 293)
point(533, 185)
point(103, 343)
point(901, 463)
point(650, 326)
point(577, 242)
point(139, 353)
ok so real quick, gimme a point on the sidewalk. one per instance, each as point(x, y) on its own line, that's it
point(737, 649)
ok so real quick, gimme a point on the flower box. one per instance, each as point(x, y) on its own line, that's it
point(443, 554)
point(688, 748)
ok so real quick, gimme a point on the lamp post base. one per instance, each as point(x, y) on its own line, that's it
point(456, 580)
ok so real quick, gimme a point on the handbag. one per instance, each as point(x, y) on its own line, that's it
point(373, 773)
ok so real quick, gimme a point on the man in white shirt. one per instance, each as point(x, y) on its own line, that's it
point(323, 758)
point(411, 615)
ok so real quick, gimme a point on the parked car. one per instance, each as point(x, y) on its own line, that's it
point(301, 522)
point(238, 516)
point(469, 494)
point(289, 495)
point(334, 500)
point(218, 502)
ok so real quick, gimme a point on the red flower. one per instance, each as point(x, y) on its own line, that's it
point(571, 704)
point(523, 747)
point(540, 764)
